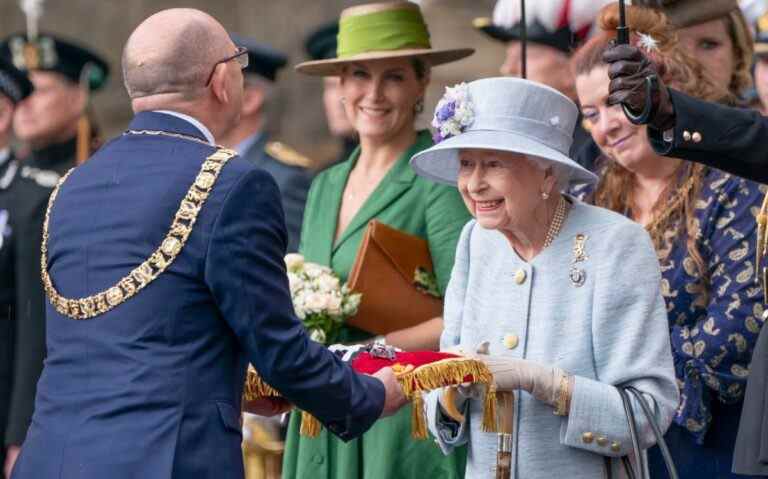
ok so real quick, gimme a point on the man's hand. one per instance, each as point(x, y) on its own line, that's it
point(394, 398)
point(636, 84)
point(11, 454)
point(267, 406)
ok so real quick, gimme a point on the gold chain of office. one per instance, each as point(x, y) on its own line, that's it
point(138, 279)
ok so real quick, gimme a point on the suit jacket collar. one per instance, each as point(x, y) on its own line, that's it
point(396, 182)
point(153, 120)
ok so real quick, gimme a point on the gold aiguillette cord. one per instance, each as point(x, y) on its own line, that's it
point(761, 246)
point(506, 411)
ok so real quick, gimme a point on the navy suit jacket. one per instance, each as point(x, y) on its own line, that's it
point(293, 182)
point(152, 388)
point(730, 139)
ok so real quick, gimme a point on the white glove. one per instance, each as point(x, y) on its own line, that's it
point(510, 374)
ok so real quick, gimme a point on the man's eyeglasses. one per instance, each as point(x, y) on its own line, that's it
point(241, 56)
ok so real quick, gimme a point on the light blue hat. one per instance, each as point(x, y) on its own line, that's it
point(503, 114)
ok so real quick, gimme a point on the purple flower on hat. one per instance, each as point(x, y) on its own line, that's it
point(453, 114)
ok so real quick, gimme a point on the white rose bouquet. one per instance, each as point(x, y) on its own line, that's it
point(319, 298)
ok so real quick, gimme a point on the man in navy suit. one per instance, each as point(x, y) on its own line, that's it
point(164, 269)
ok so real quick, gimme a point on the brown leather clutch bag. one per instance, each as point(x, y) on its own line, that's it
point(384, 272)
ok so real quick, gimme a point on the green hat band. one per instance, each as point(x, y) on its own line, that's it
point(382, 31)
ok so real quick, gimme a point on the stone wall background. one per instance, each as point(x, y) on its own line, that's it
point(106, 24)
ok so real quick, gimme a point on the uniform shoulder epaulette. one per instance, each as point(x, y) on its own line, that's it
point(287, 155)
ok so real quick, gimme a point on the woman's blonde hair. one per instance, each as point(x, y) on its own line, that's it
point(673, 212)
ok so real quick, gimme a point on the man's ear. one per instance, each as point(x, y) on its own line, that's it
point(219, 83)
point(253, 100)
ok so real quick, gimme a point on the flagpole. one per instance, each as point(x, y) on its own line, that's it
point(523, 41)
point(622, 32)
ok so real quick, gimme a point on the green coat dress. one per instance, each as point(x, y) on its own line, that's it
point(417, 206)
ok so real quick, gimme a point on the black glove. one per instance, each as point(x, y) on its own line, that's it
point(637, 85)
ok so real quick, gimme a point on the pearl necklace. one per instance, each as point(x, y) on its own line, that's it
point(557, 221)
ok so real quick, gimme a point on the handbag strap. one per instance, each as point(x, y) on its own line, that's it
point(668, 462)
point(638, 471)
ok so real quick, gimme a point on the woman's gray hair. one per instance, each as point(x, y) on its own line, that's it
point(561, 172)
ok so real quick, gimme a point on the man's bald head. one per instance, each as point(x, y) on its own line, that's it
point(173, 52)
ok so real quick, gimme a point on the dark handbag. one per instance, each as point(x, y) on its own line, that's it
point(639, 469)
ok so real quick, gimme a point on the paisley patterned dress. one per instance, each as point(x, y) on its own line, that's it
point(714, 321)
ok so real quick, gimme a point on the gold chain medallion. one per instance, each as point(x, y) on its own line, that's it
point(149, 270)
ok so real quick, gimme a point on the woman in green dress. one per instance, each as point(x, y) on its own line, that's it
point(384, 60)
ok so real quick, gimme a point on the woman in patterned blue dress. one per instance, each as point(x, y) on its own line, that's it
point(702, 222)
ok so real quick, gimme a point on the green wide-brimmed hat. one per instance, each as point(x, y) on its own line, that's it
point(382, 30)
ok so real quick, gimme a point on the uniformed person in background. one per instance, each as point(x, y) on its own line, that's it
point(53, 123)
point(14, 87)
point(321, 45)
point(554, 28)
point(250, 138)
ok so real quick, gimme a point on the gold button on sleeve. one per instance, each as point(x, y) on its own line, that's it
point(615, 446)
point(587, 438)
point(602, 441)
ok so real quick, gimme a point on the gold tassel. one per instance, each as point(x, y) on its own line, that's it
point(490, 423)
point(83, 139)
point(442, 373)
point(418, 421)
point(255, 387)
point(310, 426)
point(760, 247)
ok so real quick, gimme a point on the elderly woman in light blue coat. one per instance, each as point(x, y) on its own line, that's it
point(564, 297)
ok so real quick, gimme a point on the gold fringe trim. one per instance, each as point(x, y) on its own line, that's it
point(255, 387)
point(310, 426)
point(490, 423)
point(443, 373)
point(418, 421)
point(414, 383)
point(440, 374)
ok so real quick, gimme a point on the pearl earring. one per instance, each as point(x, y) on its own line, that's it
point(544, 195)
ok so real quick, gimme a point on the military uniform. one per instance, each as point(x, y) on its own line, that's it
point(36, 176)
point(291, 170)
point(8, 170)
point(292, 175)
point(726, 138)
point(15, 86)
